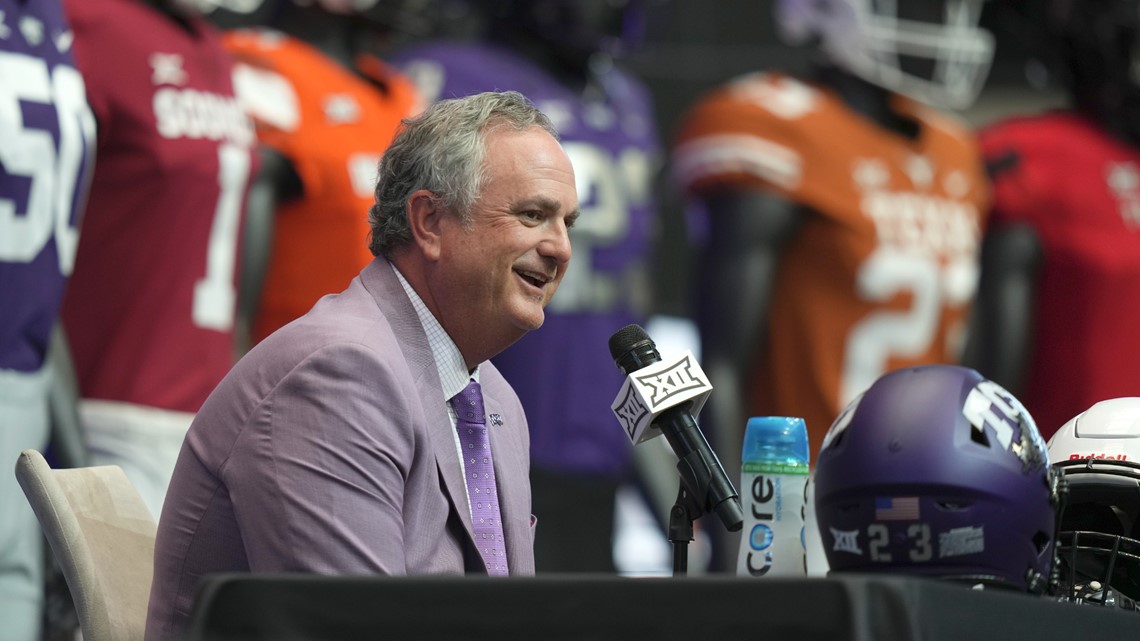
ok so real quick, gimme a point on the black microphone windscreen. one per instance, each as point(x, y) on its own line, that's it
point(626, 339)
point(632, 349)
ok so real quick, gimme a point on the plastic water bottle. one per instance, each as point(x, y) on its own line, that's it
point(815, 560)
point(772, 482)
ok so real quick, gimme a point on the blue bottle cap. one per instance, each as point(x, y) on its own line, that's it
point(765, 435)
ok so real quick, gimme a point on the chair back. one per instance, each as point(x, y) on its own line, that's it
point(102, 535)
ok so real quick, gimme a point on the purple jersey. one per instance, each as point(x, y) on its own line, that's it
point(150, 308)
point(46, 140)
point(563, 372)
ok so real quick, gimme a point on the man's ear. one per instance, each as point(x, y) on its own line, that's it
point(424, 216)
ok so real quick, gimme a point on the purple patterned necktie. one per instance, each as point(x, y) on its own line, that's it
point(479, 471)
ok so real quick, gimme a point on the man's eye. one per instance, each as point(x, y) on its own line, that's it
point(533, 216)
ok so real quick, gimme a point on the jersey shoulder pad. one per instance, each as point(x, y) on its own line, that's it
point(760, 130)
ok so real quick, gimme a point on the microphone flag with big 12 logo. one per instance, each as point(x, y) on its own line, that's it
point(651, 390)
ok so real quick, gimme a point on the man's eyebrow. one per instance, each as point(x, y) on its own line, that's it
point(539, 202)
point(572, 218)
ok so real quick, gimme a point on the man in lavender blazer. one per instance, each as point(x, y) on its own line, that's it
point(330, 447)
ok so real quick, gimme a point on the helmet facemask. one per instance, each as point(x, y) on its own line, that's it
point(929, 50)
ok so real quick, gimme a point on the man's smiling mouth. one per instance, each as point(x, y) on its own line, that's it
point(536, 279)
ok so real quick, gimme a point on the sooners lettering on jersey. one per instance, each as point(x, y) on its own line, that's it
point(332, 124)
point(1079, 189)
point(882, 274)
point(150, 309)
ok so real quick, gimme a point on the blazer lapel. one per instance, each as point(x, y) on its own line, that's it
point(381, 281)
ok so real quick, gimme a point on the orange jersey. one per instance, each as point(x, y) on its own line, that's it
point(332, 124)
point(883, 274)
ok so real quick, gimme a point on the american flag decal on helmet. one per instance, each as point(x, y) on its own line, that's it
point(897, 508)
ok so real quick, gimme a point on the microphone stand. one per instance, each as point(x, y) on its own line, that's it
point(686, 510)
point(701, 491)
point(704, 485)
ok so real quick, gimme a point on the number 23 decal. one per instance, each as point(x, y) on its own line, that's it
point(918, 534)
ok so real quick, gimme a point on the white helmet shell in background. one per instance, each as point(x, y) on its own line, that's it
point(1109, 429)
point(868, 39)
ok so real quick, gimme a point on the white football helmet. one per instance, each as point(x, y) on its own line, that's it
point(930, 50)
point(1099, 453)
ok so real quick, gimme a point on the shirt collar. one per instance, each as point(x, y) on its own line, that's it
point(453, 375)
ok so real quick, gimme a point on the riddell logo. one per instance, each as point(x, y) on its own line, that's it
point(1102, 455)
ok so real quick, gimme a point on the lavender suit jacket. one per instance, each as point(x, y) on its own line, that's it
point(328, 449)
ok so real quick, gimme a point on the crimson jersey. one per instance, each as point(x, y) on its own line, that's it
point(883, 273)
point(1080, 190)
point(332, 124)
point(150, 308)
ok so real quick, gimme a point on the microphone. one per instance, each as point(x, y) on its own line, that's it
point(664, 398)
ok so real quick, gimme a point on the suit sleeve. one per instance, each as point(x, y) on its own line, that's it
point(327, 457)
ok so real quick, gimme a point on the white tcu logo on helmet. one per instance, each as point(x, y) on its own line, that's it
point(990, 405)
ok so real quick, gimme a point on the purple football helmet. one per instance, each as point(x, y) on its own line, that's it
point(936, 471)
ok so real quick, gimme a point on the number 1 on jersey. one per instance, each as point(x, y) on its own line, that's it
point(215, 296)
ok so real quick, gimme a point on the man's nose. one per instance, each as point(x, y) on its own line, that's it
point(557, 243)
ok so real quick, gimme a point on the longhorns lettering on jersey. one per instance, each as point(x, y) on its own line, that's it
point(915, 219)
point(932, 225)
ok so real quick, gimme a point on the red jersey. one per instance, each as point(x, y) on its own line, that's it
point(150, 307)
point(332, 124)
point(883, 273)
point(1080, 190)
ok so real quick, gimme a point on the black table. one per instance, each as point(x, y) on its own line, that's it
point(603, 608)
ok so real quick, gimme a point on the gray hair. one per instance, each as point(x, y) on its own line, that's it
point(442, 150)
